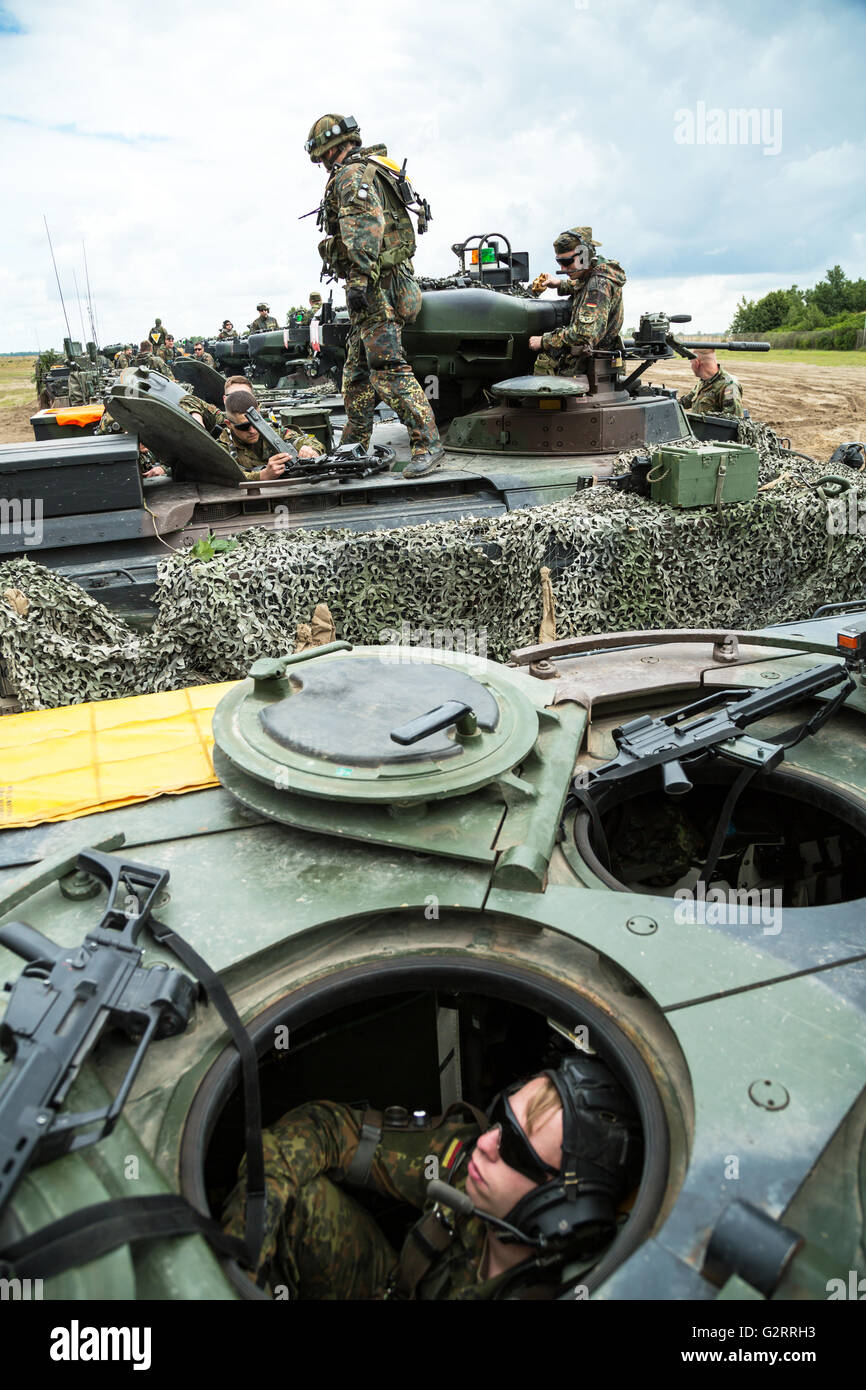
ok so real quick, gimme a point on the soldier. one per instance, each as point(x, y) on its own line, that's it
point(147, 358)
point(309, 314)
point(157, 333)
point(716, 392)
point(168, 352)
point(123, 358)
point(555, 1158)
point(226, 332)
point(200, 355)
point(243, 441)
point(265, 321)
point(369, 244)
point(595, 285)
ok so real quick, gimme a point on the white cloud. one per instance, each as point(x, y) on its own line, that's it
point(170, 139)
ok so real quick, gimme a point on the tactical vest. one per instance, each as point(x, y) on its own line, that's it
point(398, 199)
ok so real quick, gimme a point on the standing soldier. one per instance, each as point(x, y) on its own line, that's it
point(265, 321)
point(595, 285)
point(716, 392)
point(370, 242)
point(157, 334)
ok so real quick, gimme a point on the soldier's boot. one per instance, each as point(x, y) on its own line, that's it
point(427, 462)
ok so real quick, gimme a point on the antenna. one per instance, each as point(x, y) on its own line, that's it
point(56, 276)
point(80, 310)
point(91, 308)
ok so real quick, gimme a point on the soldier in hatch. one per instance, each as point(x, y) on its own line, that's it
point(265, 321)
point(595, 285)
point(146, 357)
point(554, 1159)
point(243, 441)
point(226, 332)
point(200, 355)
point(369, 244)
point(310, 313)
point(716, 392)
point(168, 351)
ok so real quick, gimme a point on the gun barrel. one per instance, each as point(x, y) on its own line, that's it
point(727, 347)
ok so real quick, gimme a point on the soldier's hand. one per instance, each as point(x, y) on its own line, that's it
point(535, 343)
point(157, 472)
point(307, 452)
point(356, 300)
point(275, 467)
point(551, 282)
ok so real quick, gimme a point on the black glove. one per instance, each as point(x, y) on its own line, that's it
point(356, 300)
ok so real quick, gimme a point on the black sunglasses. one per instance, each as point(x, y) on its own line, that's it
point(566, 260)
point(247, 425)
point(514, 1147)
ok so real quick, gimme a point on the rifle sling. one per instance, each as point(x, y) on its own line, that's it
point(94, 1231)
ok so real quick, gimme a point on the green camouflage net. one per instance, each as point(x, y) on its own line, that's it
point(618, 562)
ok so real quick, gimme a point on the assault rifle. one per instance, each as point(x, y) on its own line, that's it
point(60, 1004)
point(698, 731)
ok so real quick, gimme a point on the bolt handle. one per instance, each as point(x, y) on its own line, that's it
point(442, 717)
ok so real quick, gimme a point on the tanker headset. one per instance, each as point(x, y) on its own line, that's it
point(602, 1156)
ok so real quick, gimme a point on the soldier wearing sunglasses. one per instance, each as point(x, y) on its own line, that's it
point(535, 1182)
point(595, 285)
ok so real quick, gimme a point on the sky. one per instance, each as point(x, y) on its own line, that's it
point(168, 138)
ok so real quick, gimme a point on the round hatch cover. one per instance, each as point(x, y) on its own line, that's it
point(532, 386)
point(321, 725)
point(345, 711)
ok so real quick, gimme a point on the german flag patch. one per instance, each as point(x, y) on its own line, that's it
point(452, 1153)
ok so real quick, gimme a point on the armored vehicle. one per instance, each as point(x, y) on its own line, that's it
point(419, 875)
point(513, 440)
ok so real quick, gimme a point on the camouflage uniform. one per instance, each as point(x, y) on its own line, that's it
point(251, 457)
point(157, 334)
point(205, 357)
point(224, 336)
point(265, 323)
point(214, 420)
point(721, 395)
point(122, 360)
point(156, 364)
point(320, 1243)
point(362, 245)
point(596, 316)
point(168, 354)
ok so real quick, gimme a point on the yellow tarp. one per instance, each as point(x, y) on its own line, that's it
point(60, 763)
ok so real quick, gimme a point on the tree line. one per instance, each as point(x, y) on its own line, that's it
point(834, 303)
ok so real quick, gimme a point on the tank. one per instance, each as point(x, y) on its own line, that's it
point(419, 873)
point(513, 440)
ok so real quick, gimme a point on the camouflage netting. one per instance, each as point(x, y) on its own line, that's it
point(618, 562)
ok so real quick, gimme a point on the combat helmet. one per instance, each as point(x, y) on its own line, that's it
point(330, 131)
point(602, 1158)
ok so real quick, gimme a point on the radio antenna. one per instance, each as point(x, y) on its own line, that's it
point(57, 277)
point(91, 307)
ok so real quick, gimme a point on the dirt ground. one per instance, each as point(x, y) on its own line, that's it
point(817, 408)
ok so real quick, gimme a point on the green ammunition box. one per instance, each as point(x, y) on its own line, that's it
point(703, 475)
